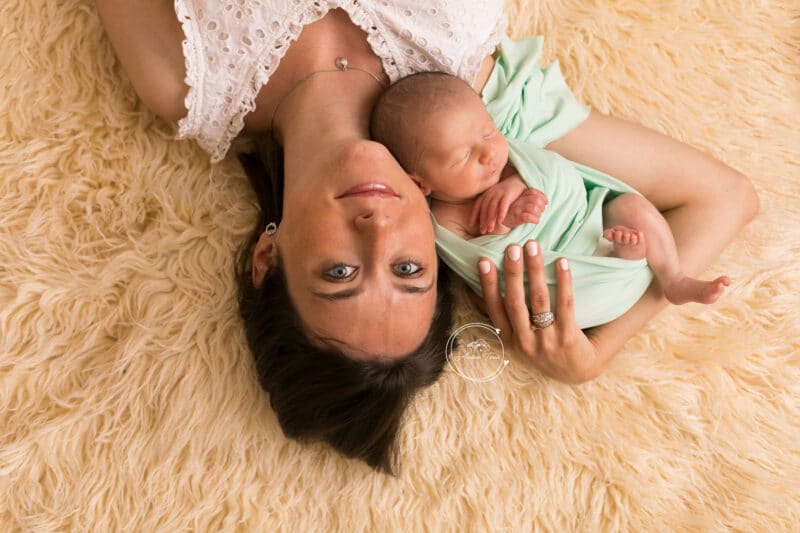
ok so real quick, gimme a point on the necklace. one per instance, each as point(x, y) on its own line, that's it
point(341, 66)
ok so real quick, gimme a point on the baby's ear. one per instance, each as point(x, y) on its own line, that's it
point(416, 178)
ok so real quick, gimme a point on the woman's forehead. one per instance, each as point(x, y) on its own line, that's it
point(367, 326)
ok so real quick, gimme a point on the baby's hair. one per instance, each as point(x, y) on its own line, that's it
point(400, 111)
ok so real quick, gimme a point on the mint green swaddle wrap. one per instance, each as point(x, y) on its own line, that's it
point(571, 226)
point(527, 102)
point(534, 105)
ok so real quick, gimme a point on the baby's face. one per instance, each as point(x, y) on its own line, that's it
point(463, 153)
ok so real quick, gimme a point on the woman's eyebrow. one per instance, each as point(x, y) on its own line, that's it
point(339, 295)
point(350, 293)
point(414, 289)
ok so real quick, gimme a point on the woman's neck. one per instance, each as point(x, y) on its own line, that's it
point(322, 114)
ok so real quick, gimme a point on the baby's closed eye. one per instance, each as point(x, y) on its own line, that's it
point(462, 158)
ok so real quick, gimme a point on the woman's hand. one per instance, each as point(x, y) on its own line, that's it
point(560, 350)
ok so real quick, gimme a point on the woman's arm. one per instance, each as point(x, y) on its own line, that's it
point(705, 202)
point(697, 191)
point(147, 38)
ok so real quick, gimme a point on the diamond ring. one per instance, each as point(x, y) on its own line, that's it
point(542, 320)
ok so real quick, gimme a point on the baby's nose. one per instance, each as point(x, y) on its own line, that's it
point(487, 156)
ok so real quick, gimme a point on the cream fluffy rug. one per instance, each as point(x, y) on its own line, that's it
point(128, 400)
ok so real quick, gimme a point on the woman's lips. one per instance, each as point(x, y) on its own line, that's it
point(369, 188)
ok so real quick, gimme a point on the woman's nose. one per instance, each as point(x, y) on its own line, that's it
point(372, 221)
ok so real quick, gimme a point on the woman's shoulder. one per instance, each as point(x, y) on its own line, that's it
point(232, 47)
point(414, 36)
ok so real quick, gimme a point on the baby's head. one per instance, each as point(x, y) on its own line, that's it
point(440, 132)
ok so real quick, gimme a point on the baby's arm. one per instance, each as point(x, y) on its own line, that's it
point(506, 205)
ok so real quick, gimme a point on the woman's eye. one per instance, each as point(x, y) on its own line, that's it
point(407, 269)
point(340, 272)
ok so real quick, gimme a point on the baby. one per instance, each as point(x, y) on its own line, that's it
point(439, 130)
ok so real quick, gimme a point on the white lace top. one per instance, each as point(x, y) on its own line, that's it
point(232, 46)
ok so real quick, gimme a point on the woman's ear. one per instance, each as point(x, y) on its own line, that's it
point(416, 178)
point(265, 255)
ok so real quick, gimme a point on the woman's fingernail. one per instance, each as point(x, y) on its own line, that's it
point(532, 249)
point(562, 264)
point(514, 252)
point(484, 267)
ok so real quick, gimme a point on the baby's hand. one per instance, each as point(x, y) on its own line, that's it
point(527, 208)
point(490, 208)
point(505, 205)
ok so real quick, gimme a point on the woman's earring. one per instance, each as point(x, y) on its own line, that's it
point(271, 228)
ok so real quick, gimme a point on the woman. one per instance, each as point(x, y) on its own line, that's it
point(341, 298)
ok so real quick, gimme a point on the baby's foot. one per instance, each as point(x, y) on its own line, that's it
point(688, 289)
point(628, 243)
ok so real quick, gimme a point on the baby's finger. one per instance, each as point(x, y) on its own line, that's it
point(536, 195)
point(491, 297)
point(534, 208)
point(476, 211)
point(502, 209)
point(489, 214)
point(483, 216)
point(530, 217)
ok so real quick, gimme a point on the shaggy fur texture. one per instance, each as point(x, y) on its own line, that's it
point(128, 400)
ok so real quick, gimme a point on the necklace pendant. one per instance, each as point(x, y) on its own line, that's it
point(341, 63)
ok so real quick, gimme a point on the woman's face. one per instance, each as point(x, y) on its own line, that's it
point(358, 252)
